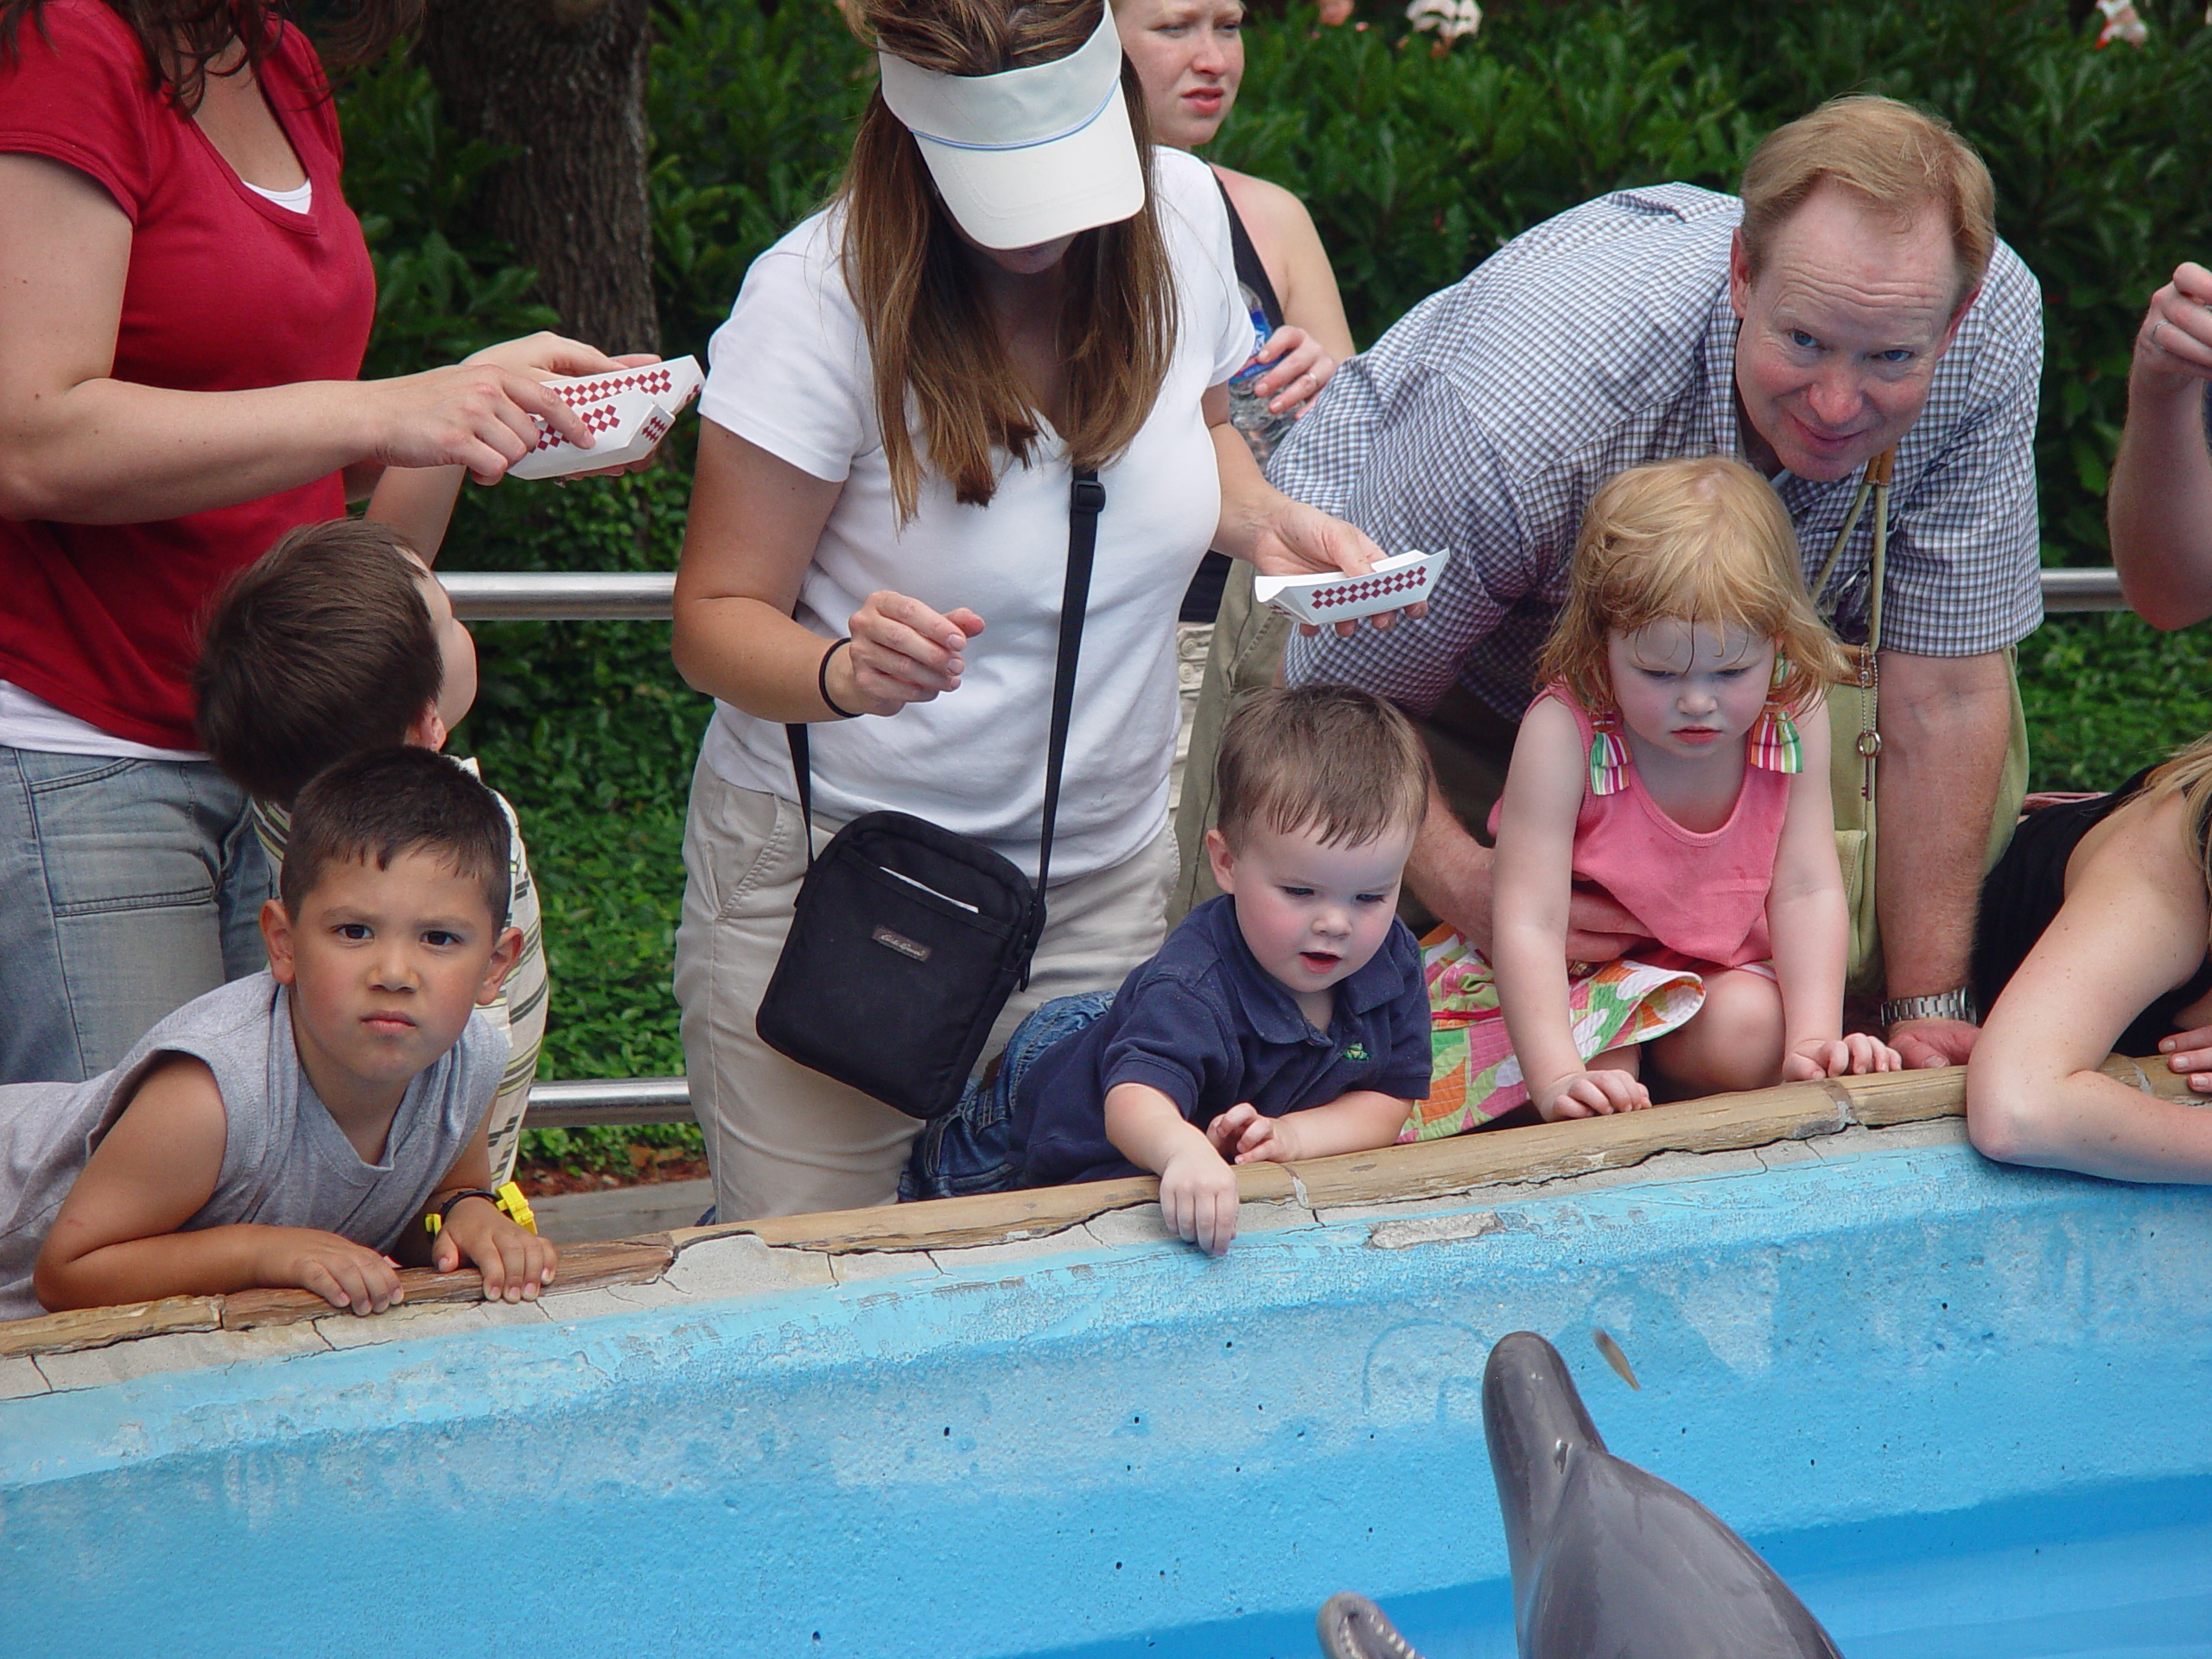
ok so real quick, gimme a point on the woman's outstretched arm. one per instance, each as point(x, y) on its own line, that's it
point(2133, 927)
point(78, 446)
point(2160, 502)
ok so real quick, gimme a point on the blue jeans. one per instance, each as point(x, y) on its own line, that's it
point(967, 1150)
point(127, 888)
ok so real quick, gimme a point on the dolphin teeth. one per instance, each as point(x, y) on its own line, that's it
point(1352, 1627)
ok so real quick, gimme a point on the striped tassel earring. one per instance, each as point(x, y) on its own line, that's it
point(1775, 744)
point(1608, 755)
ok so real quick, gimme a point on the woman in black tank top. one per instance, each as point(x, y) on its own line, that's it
point(2094, 936)
point(1189, 56)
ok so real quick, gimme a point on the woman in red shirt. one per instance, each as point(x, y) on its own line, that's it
point(184, 301)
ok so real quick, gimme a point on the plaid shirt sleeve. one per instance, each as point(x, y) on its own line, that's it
point(1964, 568)
point(1379, 462)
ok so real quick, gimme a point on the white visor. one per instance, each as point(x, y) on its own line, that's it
point(1030, 155)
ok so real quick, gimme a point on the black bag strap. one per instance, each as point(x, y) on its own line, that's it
point(802, 769)
point(1086, 500)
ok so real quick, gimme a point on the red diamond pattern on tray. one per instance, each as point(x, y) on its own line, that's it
point(600, 417)
point(653, 378)
point(1352, 593)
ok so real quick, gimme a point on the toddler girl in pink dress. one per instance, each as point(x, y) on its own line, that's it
point(1677, 758)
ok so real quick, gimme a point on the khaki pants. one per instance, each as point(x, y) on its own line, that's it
point(783, 1140)
point(1245, 655)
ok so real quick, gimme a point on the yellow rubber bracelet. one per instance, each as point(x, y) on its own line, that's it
point(516, 1204)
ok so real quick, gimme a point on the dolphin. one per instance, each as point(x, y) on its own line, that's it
point(1608, 1562)
point(1608, 1559)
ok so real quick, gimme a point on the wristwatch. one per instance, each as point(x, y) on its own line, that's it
point(1948, 1005)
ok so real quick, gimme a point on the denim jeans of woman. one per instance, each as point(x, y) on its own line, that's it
point(127, 888)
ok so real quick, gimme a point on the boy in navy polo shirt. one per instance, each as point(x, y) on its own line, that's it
point(1287, 1019)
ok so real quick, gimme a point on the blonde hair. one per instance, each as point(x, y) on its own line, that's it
point(2188, 773)
point(940, 362)
point(1895, 158)
point(1329, 760)
point(1705, 541)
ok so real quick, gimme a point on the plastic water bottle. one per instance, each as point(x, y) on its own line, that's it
point(1247, 411)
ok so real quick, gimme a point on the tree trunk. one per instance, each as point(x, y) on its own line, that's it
point(562, 82)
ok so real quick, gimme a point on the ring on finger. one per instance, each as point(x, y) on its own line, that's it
point(2155, 327)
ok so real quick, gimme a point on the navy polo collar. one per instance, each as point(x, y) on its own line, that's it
point(1267, 1002)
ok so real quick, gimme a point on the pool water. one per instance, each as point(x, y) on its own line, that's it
point(1966, 1411)
point(2124, 1573)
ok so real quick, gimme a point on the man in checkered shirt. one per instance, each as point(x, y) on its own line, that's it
point(1806, 328)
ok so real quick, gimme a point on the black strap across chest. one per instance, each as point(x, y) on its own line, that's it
point(1086, 500)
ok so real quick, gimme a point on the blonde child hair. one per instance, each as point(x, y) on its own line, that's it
point(1704, 541)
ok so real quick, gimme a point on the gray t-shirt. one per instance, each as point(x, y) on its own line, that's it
point(285, 1162)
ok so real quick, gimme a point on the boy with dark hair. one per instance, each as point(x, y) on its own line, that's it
point(305, 1126)
point(1287, 1019)
point(336, 641)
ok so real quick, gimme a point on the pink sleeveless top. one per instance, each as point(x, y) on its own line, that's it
point(1702, 895)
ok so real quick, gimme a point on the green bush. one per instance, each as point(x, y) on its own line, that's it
point(1416, 166)
point(2105, 694)
point(443, 288)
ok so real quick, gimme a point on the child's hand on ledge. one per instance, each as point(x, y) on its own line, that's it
point(1836, 1057)
point(1589, 1094)
point(1197, 1194)
point(1243, 1135)
point(516, 1262)
point(342, 1273)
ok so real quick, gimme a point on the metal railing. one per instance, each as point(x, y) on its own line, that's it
point(2082, 590)
point(590, 1102)
point(646, 596)
point(560, 597)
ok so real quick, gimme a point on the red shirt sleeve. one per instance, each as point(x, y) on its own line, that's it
point(76, 89)
point(225, 291)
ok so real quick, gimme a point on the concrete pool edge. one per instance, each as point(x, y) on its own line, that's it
point(454, 1360)
point(1828, 1333)
point(99, 1347)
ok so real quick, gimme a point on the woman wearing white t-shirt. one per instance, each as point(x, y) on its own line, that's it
point(995, 277)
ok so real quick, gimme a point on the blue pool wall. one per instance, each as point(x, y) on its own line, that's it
point(1018, 1456)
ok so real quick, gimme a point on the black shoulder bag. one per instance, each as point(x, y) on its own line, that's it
point(908, 939)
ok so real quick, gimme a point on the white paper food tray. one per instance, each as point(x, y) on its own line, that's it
point(628, 411)
point(1393, 584)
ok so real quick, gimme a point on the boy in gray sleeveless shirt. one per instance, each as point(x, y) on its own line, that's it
point(303, 1126)
point(336, 641)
